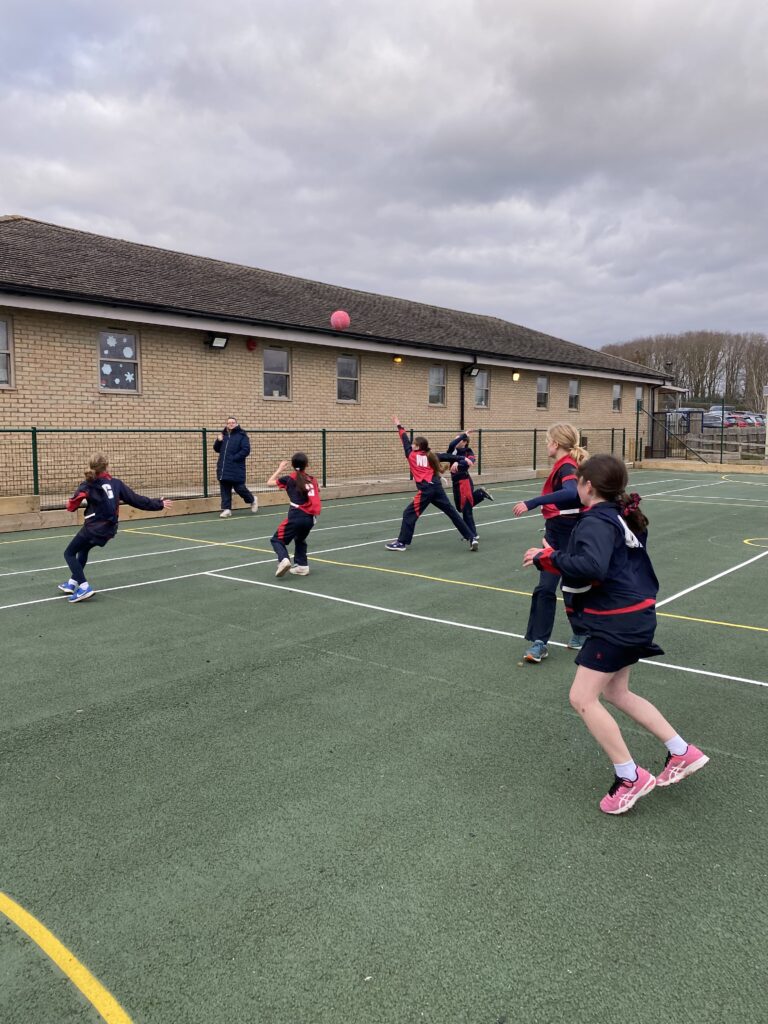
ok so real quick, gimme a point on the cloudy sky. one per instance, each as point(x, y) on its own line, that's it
point(596, 170)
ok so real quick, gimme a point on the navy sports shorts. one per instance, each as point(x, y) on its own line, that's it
point(603, 656)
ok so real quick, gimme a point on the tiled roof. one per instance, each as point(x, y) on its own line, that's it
point(46, 259)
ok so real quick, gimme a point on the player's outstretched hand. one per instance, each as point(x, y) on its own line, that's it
point(454, 467)
point(396, 420)
point(520, 509)
point(530, 554)
point(166, 502)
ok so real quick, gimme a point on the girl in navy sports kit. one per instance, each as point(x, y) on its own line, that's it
point(610, 587)
point(304, 494)
point(465, 494)
point(425, 469)
point(102, 494)
point(560, 506)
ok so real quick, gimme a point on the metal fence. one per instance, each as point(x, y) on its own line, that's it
point(686, 434)
point(181, 463)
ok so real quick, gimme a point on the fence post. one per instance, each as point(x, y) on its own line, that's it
point(535, 431)
point(613, 429)
point(324, 451)
point(638, 457)
point(35, 466)
point(205, 462)
point(623, 443)
point(480, 451)
point(410, 474)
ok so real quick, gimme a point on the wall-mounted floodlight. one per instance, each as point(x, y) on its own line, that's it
point(217, 340)
point(397, 359)
point(472, 371)
point(515, 375)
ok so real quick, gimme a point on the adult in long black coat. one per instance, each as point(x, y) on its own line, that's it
point(233, 448)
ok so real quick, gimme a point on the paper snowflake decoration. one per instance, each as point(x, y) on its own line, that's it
point(127, 352)
point(117, 380)
point(111, 341)
point(106, 369)
point(129, 378)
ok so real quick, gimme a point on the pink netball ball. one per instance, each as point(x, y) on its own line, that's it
point(340, 320)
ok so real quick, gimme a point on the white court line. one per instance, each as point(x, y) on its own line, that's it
point(679, 490)
point(711, 579)
point(726, 503)
point(139, 532)
point(240, 565)
point(460, 625)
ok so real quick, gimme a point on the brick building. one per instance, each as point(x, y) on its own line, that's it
point(100, 333)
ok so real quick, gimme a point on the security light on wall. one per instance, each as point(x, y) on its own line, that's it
point(217, 340)
point(397, 359)
point(515, 375)
point(472, 371)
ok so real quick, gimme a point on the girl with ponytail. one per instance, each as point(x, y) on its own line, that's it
point(425, 469)
point(304, 494)
point(560, 506)
point(610, 588)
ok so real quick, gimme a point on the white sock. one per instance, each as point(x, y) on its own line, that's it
point(676, 746)
point(73, 583)
point(626, 771)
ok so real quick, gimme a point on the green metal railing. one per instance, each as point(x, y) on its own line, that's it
point(180, 463)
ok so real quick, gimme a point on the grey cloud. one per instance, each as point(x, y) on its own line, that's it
point(592, 170)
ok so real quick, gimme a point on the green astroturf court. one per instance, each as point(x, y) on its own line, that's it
point(342, 799)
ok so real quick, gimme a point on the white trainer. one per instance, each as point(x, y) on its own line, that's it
point(283, 566)
point(225, 513)
point(299, 570)
point(255, 505)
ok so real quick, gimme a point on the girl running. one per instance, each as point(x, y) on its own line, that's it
point(425, 468)
point(559, 501)
point(465, 494)
point(304, 494)
point(611, 587)
point(102, 494)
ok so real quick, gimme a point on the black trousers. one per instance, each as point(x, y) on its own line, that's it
point(430, 494)
point(541, 619)
point(227, 486)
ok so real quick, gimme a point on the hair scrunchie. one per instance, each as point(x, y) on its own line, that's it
point(631, 505)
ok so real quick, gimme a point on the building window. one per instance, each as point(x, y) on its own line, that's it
point(6, 375)
point(616, 404)
point(573, 394)
point(639, 396)
point(347, 379)
point(118, 361)
point(482, 389)
point(277, 374)
point(542, 392)
point(437, 385)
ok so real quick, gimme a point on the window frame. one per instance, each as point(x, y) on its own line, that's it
point(574, 406)
point(443, 387)
point(129, 332)
point(287, 374)
point(486, 374)
point(7, 353)
point(617, 397)
point(545, 393)
point(356, 378)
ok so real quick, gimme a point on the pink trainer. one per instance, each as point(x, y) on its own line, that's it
point(677, 768)
point(624, 794)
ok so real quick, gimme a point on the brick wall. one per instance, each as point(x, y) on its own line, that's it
point(184, 383)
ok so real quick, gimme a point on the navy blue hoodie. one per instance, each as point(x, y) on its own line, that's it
point(609, 585)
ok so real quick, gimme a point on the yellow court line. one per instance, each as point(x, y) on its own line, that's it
point(423, 576)
point(194, 540)
point(30, 540)
point(756, 542)
point(521, 593)
point(712, 622)
point(99, 998)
